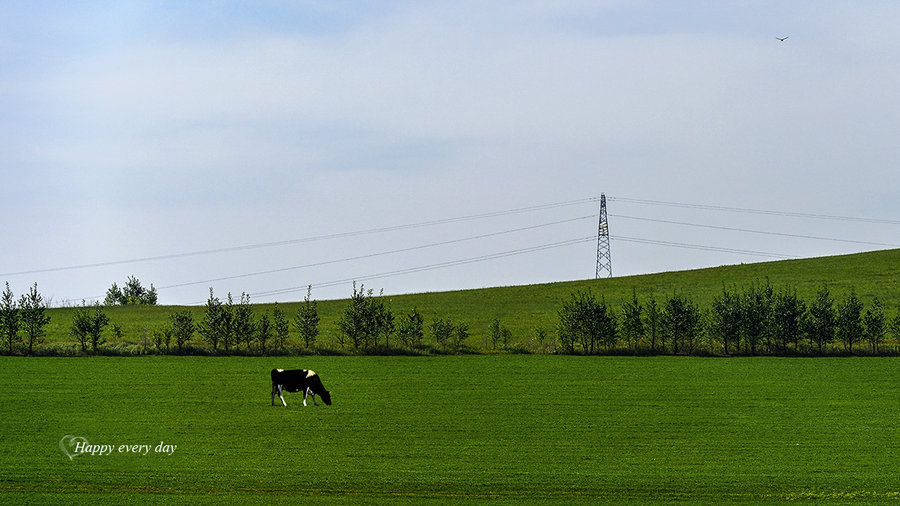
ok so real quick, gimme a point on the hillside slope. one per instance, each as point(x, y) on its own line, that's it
point(523, 309)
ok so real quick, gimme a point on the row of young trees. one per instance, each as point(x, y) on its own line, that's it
point(233, 325)
point(132, 293)
point(22, 322)
point(225, 326)
point(366, 325)
point(754, 320)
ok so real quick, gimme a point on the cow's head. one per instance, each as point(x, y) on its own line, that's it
point(326, 396)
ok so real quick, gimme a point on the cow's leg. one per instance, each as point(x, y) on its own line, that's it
point(273, 393)
point(304, 397)
point(313, 394)
point(280, 396)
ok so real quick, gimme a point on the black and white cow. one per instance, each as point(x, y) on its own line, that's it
point(298, 380)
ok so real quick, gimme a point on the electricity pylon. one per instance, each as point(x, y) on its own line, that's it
point(604, 262)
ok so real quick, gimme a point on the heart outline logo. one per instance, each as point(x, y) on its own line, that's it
point(69, 441)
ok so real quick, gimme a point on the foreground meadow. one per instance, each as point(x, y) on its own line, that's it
point(502, 428)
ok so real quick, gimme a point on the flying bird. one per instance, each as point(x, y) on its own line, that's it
point(782, 39)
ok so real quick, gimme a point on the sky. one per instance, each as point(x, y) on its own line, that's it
point(418, 146)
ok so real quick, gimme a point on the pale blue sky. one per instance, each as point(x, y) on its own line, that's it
point(131, 130)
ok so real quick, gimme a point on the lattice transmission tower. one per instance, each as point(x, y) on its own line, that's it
point(604, 261)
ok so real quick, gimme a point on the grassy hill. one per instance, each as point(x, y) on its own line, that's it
point(523, 309)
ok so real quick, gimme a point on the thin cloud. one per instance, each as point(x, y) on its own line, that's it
point(211, 126)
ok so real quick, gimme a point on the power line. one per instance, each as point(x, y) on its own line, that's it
point(488, 257)
point(700, 247)
point(381, 253)
point(735, 229)
point(441, 265)
point(339, 235)
point(520, 251)
point(754, 211)
point(504, 254)
point(493, 214)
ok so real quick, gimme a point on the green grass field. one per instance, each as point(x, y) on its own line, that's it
point(523, 309)
point(509, 428)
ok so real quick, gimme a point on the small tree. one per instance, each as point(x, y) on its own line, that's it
point(182, 327)
point(410, 329)
point(505, 336)
point(607, 325)
point(353, 324)
point(632, 320)
point(725, 320)
point(442, 331)
point(822, 320)
point(849, 321)
point(81, 325)
point(540, 336)
point(307, 320)
point(384, 322)
point(365, 319)
point(9, 320)
point(875, 324)
point(114, 296)
point(33, 318)
point(263, 330)
point(117, 330)
point(167, 337)
point(281, 327)
point(458, 336)
point(242, 322)
point(99, 321)
point(895, 326)
point(788, 314)
point(162, 338)
point(654, 325)
point(756, 317)
point(572, 327)
point(500, 335)
point(681, 321)
point(212, 327)
point(585, 321)
point(88, 323)
point(133, 293)
point(228, 334)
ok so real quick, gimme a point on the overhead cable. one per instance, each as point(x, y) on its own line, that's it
point(441, 265)
point(765, 232)
point(699, 247)
point(381, 253)
point(339, 235)
point(753, 211)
